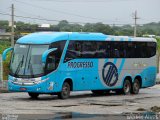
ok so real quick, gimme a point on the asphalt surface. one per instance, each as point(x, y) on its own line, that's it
point(80, 105)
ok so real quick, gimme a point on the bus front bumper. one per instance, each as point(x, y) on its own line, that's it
point(42, 87)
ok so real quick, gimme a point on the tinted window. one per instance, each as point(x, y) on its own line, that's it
point(88, 49)
point(110, 49)
point(54, 57)
point(74, 50)
point(60, 46)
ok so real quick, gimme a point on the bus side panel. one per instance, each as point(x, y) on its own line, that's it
point(110, 73)
point(149, 76)
point(84, 73)
point(149, 72)
point(53, 83)
point(90, 77)
point(96, 74)
point(143, 67)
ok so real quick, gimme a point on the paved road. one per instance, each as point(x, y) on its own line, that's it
point(80, 103)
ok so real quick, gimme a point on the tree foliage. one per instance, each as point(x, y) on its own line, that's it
point(64, 25)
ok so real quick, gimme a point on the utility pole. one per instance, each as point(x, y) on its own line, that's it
point(81, 30)
point(135, 23)
point(12, 27)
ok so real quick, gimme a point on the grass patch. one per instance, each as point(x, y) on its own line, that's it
point(155, 109)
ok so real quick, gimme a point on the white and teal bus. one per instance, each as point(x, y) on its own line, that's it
point(61, 62)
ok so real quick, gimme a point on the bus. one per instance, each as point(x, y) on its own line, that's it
point(60, 62)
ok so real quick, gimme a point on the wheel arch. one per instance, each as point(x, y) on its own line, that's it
point(70, 81)
point(127, 77)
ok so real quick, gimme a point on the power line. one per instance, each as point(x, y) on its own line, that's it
point(52, 20)
point(21, 11)
point(37, 18)
point(43, 19)
point(53, 10)
point(148, 20)
point(62, 12)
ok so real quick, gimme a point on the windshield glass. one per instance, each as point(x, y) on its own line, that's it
point(26, 60)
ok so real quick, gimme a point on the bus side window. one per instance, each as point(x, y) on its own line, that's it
point(101, 51)
point(60, 46)
point(89, 49)
point(77, 48)
point(151, 47)
point(73, 51)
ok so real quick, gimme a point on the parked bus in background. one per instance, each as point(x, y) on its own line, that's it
point(60, 62)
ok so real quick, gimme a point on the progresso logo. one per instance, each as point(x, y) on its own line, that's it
point(110, 74)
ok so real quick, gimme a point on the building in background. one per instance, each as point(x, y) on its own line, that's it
point(4, 35)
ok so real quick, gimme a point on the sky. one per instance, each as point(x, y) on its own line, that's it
point(82, 11)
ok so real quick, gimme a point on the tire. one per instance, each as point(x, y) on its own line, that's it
point(100, 92)
point(65, 93)
point(135, 87)
point(33, 95)
point(126, 90)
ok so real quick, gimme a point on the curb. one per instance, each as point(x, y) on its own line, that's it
point(4, 90)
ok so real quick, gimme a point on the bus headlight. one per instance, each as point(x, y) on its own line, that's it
point(29, 81)
point(40, 80)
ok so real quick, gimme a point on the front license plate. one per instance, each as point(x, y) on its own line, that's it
point(23, 89)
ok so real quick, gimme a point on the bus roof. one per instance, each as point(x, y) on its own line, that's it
point(49, 37)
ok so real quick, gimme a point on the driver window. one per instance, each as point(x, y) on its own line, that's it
point(51, 63)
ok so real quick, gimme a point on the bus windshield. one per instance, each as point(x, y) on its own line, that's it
point(26, 60)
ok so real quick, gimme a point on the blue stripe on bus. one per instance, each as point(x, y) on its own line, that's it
point(121, 66)
point(115, 61)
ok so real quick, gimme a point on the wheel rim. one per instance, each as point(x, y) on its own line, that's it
point(136, 87)
point(127, 88)
point(65, 90)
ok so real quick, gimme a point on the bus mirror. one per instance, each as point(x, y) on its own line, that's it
point(4, 54)
point(46, 53)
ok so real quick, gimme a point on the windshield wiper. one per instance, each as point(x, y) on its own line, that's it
point(19, 65)
point(30, 66)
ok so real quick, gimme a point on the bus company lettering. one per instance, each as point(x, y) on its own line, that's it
point(80, 64)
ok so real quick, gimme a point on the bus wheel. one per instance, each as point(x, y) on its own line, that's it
point(136, 87)
point(65, 93)
point(33, 95)
point(126, 87)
